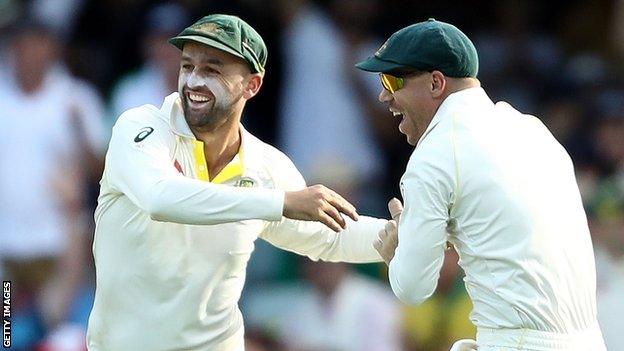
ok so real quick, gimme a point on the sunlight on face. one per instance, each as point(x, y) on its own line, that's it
point(210, 84)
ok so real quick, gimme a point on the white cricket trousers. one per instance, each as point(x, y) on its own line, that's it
point(534, 340)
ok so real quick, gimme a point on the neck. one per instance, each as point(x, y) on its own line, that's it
point(220, 144)
point(458, 84)
point(454, 85)
point(29, 82)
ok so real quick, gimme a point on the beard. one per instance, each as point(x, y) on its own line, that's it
point(211, 116)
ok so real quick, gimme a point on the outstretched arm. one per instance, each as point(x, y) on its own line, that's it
point(139, 165)
point(354, 244)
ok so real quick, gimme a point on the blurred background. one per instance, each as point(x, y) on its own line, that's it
point(68, 68)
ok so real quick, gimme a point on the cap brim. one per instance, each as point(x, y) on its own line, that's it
point(374, 64)
point(179, 42)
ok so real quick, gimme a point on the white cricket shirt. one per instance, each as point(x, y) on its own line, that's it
point(498, 186)
point(169, 269)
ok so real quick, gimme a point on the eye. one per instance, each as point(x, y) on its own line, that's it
point(187, 67)
point(211, 70)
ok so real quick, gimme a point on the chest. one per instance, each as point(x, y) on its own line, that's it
point(227, 239)
point(247, 170)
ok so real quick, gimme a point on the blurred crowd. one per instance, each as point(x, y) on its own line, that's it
point(68, 68)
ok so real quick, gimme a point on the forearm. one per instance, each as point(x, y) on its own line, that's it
point(190, 201)
point(318, 242)
point(355, 244)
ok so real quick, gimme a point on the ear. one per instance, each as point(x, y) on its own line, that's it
point(438, 84)
point(253, 86)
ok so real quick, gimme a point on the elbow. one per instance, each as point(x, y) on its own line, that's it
point(410, 297)
point(411, 289)
point(157, 209)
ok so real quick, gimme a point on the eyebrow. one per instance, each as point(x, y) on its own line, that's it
point(210, 60)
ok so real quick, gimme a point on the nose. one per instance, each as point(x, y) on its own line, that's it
point(385, 96)
point(194, 80)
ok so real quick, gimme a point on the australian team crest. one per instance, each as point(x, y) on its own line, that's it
point(210, 27)
point(245, 182)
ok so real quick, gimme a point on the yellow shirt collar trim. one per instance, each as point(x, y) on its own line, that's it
point(235, 168)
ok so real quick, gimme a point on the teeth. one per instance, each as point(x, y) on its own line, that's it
point(198, 98)
point(396, 114)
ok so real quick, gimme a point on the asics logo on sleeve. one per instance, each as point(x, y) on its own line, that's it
point(144, 133)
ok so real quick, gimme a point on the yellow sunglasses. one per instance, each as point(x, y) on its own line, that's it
point(391, 83)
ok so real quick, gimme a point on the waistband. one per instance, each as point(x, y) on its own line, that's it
point(528, 339)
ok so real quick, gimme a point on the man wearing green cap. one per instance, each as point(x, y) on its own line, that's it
point(495, 184)
point(171, 245)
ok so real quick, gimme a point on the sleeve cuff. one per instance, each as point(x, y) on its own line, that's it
point(272, 205)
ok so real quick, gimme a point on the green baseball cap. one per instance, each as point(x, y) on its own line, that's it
point(228, 33)
point(426, 46)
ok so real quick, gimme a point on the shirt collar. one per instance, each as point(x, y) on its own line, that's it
point(457, 101)
point(173, 108)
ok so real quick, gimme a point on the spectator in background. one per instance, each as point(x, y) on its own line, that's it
point(333, 308)
point(324, 100)
point(565, 118)
point(606, 207)
point(517, 55)
point(608, 233)
point(51, 125)
point(343, 311)
point(158, 76)
point(322, 104)
point(443, 318)
point(258, 341)
point(8, 12)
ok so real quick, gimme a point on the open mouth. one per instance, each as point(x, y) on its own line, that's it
point(402, 120)
point(198, 100)
point(396, 113)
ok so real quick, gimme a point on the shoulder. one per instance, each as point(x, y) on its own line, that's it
point(431, 167)
point(146, 118)
point(434, 154)
point(143, 114)
point(278, 165)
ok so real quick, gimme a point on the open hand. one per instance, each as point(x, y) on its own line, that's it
point(319, 203)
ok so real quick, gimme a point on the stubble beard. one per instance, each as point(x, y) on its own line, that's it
point(212, 117)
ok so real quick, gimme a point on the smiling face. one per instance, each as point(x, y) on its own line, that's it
point(416, 103)
point(213, 86)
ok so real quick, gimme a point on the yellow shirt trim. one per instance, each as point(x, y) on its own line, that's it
point(233, 169)
point(201, 168)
